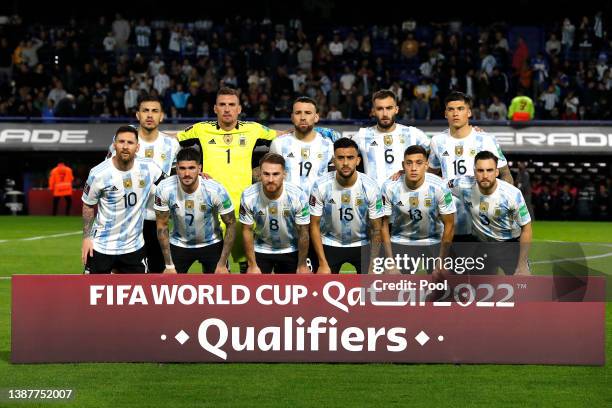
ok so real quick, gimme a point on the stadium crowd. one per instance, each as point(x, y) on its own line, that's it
point(100, 69)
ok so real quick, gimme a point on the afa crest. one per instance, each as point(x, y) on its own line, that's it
point(459, 150)
point(286, 212)
point(163, 156)
point(242, 141)
point(202, 207)
point(388, 139)
point(346, 198)
point(497, 212)
point(427, 202)
point(141, 183)
point(228, 139)
point(358, 202)
point(472, 152)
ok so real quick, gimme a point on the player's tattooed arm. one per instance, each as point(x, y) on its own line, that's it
point(506, 175)
point(88, 218)
point(375, 239)
point(89, 214)
point(163, 237)
point(229, 220)
point(303, 243)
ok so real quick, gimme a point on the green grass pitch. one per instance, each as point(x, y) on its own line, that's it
point(295, 385)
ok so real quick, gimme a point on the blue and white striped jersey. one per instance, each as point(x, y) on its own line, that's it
point(121, 197)
point(305, 162)
point(344, 211)
point(495, 217)
point(195, 216)
point(415, 214)
point(274, 221)
point(383, 152)
point(163, 152)
point(455, 158)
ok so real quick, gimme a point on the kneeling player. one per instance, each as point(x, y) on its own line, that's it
point(420, 208)
point(499, 215)
point(120, 187)
point(275, 218)
point(195, 205)
point(344, 204)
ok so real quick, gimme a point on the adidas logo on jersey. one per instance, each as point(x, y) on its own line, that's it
point(445, 153)
point(331, 201)
point(114, 188)
point(260, 213)
point(374, 143)
point(212, 141)
point(399, 204)
point(175, 206)
point(290, 155)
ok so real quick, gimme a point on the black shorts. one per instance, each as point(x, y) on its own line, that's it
point(277, 263)
point(424, 254)
point(133, 262)
point(208, 256)
point(502, 254)
point(359, 257)
point(155, 258)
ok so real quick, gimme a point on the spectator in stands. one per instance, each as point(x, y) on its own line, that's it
point(602, 201)
point(6, 61)
point(57, 93)
point(336, 47)
point(420, 109)
point(570, 107)
point(549, 100)
point(553, 46)
point(130, 98)
point(121, 32)
point(521, 107)
point(161, 82)
point(497, 110)
point(585, 202)
point(410, 47)
point(567, 37)
point(334, 113)
point(523, 183)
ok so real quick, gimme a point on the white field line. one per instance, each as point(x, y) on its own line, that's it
point(64, 234)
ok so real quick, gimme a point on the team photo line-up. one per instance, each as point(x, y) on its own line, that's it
point(309, 210)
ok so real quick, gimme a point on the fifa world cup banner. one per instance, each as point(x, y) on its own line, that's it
point(308, 318)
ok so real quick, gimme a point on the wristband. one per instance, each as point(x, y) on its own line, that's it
point(171, 266)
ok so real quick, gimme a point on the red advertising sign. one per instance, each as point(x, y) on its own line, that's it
point(300, 318)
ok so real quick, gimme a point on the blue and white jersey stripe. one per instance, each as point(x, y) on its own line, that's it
point(495, 217)
point(274, 221)
point(163, 152)
point(415, 214)
point(383, 152)
point(344, 211)
point(305, 162)
point(195, 216)
point(121, 197)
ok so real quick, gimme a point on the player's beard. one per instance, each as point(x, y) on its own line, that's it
point(383, 126)
point(347, 176)
point(307, 130)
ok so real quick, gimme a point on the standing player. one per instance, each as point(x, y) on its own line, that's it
point(344, 205)
point(227, 148)
point(453, 152)
point(306, 152)
point(499, 214)
point(195, 205)
point(382, 146)
point(120, 187)
point(275, 217)
point(420, 209)
point(162, 149)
